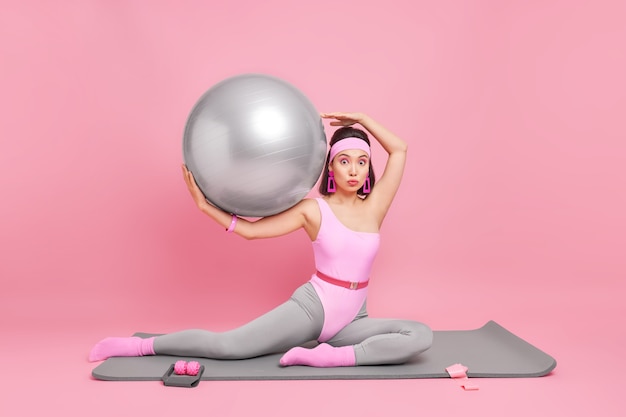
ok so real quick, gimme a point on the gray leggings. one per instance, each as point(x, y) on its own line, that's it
point(297, 322)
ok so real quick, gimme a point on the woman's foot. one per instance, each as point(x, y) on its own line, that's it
point(321, 356)
point(121, 346)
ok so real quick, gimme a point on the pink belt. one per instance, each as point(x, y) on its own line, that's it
point(345, 284)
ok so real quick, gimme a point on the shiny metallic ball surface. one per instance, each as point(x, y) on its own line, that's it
point(255, 145)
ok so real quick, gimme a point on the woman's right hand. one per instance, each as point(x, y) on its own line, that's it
point(194, 190)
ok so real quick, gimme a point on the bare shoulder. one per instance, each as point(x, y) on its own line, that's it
point(309, 208)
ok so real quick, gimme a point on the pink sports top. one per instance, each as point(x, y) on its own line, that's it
point(343, 253)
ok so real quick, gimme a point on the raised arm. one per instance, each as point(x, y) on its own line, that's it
point(302, 215)
point(388, 183)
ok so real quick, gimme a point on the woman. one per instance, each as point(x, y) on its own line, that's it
point(331, 308)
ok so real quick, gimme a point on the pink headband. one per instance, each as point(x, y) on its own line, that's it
point(349, 143)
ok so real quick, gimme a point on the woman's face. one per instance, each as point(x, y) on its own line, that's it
point(351, 168)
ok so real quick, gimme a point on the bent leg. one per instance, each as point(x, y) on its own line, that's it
point(297, 321)
point(384, 341)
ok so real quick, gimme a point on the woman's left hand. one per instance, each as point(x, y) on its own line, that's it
point(343, 119)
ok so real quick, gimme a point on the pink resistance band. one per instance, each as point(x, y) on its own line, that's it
point(349, 143)
point(458, 372)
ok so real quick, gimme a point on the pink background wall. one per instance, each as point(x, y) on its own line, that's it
point(512, 207)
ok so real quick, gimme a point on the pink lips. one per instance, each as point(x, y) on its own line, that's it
point(353, 182)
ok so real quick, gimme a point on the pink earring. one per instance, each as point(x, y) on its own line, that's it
point(331, 182)
point(367, 188)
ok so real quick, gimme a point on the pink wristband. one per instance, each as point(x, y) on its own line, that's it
point(233, 222)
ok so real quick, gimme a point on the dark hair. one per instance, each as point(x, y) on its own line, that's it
point(343, 133)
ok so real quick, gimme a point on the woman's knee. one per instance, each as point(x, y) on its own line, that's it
point(421, 335)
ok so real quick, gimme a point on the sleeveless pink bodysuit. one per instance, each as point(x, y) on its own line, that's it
point(346, 255)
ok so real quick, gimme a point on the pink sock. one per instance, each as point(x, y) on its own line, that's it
point(121, 346)
point(321, 356)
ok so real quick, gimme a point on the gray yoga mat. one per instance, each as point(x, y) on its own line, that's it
point(489, 352)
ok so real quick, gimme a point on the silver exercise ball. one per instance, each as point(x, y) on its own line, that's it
point(255, 145)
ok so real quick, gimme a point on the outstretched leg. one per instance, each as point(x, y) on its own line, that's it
point(297, 321)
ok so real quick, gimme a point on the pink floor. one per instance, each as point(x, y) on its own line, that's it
point(46, 371)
